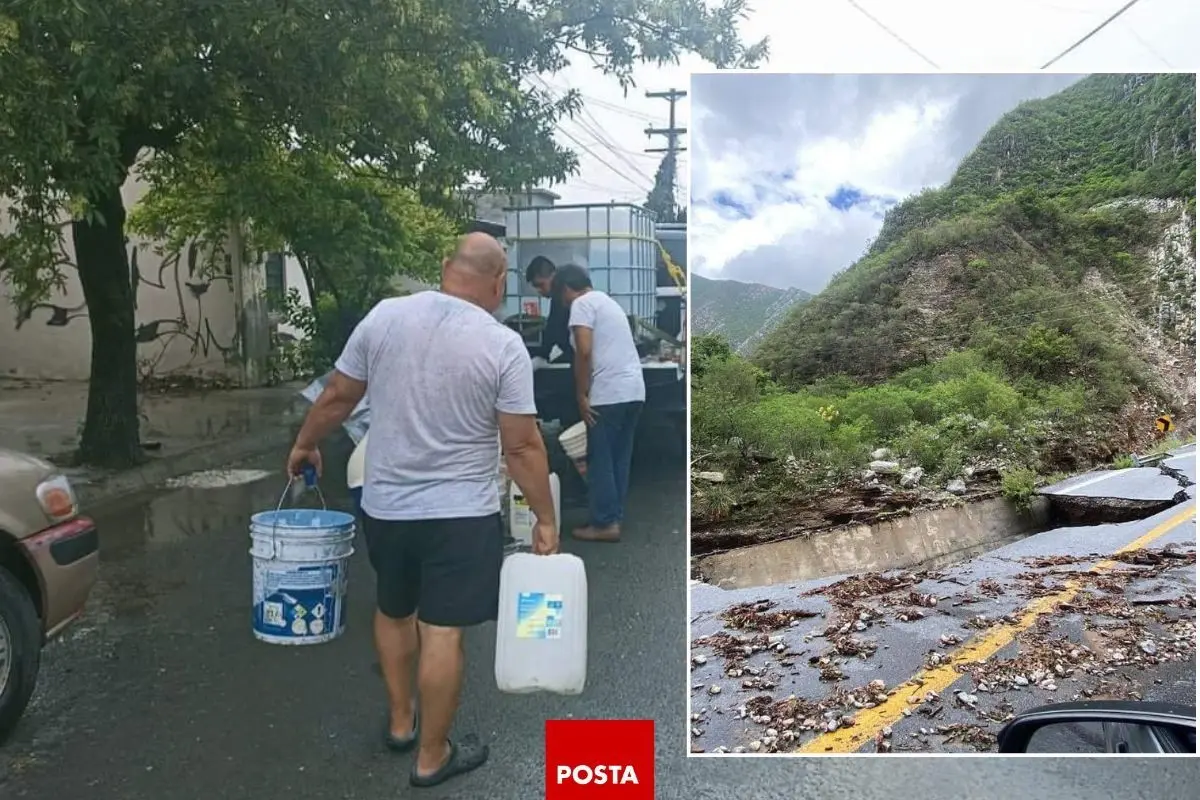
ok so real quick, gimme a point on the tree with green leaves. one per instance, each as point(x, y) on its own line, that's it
point(661, 199)
point(422, 95)
point(353, 233)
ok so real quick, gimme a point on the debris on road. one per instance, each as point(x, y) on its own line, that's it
point(760, 617)
point(1120, 621)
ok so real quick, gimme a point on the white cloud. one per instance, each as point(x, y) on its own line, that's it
point(793, 172)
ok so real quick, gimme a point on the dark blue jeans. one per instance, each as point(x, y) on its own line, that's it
point(609, 456)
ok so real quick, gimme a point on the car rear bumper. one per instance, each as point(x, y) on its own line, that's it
point(66, 558)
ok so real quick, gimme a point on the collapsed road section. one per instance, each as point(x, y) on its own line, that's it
point(937, 659)
point(1123, 494)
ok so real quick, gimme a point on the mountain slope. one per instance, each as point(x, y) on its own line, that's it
point(742, 313)
point(1062, 249)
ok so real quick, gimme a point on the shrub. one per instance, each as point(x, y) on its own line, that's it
point(1019, 486)
point(888, 408)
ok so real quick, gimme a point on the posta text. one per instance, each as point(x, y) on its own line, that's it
point(599, 758)
point(583, 774)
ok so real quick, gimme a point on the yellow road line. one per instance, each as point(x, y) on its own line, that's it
point(870, 721)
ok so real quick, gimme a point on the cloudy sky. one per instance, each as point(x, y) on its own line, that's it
point(792, 173)
point(834, 36)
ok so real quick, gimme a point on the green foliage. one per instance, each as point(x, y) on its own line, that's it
point(1023, 243)
point(661, 199)
point(988, 323)
point(1019, 486)
point(957, 412)
point(353, 234)
point(1124, 462)
point(706, 349)
point(720, 398)
point(1044, 352)
point(427, 97)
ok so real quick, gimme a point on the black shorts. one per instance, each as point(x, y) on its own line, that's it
point(447, 571)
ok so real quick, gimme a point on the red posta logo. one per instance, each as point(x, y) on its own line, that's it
point(600, 758)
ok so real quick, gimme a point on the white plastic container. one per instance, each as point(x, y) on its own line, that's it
point(574, 441)
point(541, 635)
point(356, 467)
point(521, 518)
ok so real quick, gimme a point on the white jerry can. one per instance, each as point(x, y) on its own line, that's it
point(541, 633)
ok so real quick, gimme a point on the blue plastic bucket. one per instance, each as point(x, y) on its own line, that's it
point(301, 574)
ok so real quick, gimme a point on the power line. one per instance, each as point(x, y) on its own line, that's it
point(893, 34)
point(592, 153)
point(1092, 33)
point(1146, 45)
point(600, 139)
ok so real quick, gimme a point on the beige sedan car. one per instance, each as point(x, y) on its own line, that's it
point(49, 556)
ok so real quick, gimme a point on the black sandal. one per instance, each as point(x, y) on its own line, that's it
point(401, 744)
point(466, 755)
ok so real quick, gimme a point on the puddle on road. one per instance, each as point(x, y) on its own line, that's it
point(934, 539)
point(218, 478)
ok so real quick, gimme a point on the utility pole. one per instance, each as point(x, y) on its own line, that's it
point(663, 194)
point(672, 133)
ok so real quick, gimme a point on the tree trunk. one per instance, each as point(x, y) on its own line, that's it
point(111, 435)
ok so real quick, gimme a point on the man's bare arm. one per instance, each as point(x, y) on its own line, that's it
point(332, 408)
point(528, 465)
point(583, 360)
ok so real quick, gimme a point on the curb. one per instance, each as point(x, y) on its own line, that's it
point(97, 489)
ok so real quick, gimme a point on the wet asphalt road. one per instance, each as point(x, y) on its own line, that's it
point(162, 679)
point(945, 723)
point(161, 692)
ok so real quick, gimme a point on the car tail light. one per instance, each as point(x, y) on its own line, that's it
point(57, 498)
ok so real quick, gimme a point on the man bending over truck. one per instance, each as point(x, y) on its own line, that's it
point(610, 391)
point(442, 378)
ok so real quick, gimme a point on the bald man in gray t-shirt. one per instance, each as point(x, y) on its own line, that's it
point(444, 381)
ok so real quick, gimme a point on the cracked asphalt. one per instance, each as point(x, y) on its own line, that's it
point(938, 662)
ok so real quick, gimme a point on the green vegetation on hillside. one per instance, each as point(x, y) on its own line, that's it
point(1108, 136)
point(1009, 283)
point(962, 411)
point(740, 312)
point(993, 323)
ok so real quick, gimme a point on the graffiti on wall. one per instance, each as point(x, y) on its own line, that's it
point(202, 340)
point(182, 326)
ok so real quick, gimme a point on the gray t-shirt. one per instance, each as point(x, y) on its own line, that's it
point(438, 369)
point(616, 366)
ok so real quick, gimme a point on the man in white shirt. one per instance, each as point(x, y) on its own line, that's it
point(610, 390)
point(443, 378)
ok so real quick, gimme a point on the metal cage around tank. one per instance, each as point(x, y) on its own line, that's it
point(615, 242)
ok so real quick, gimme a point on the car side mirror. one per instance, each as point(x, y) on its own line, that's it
point(1102, 726)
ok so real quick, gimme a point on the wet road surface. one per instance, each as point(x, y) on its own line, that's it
point(936, 662)
point(162, 693)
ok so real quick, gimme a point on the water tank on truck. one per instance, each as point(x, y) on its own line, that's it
point(618, 246)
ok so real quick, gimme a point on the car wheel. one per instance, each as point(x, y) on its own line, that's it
point(20, 651)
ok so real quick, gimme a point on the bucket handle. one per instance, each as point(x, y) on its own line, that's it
point(309, 476)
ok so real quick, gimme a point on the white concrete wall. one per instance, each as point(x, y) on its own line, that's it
point(186, 316)
point(293, 278)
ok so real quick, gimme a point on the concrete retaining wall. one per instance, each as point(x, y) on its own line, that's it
point(900, 543)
